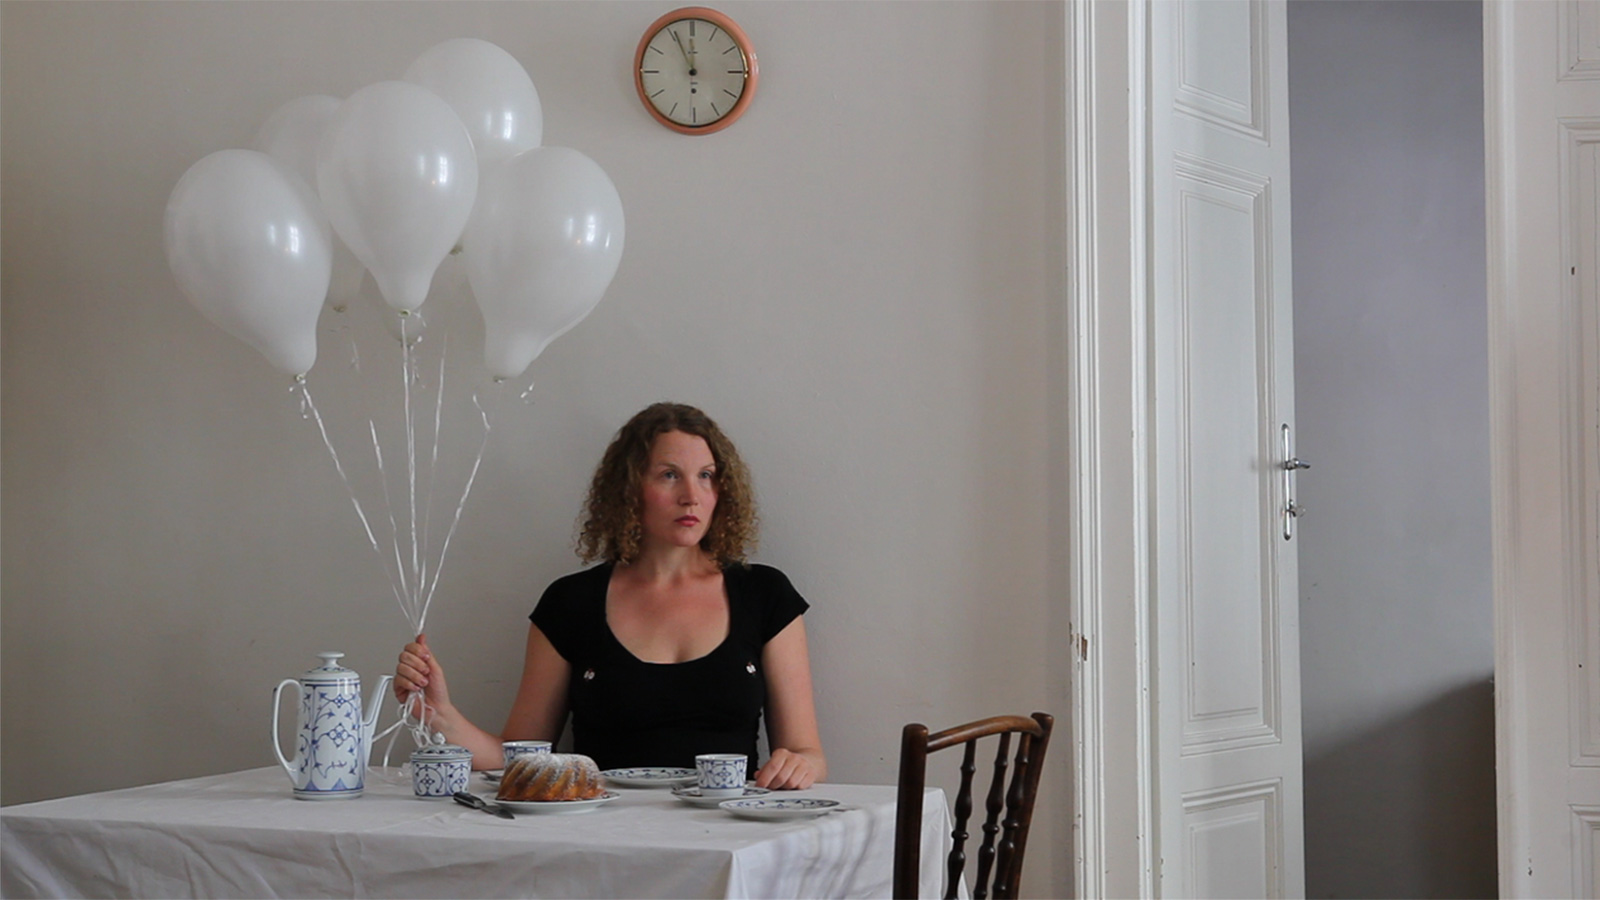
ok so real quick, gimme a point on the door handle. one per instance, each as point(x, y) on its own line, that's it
point(1290, 465)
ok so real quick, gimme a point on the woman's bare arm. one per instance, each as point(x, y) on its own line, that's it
point(538, 713)
point(797, 760)
point(540, 710)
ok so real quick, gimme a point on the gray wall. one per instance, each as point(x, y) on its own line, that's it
point(857, 280)
point(1386, 108)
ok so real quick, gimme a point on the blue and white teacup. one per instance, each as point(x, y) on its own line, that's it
point(438, 771)
point(721, 774)
point(513, 749)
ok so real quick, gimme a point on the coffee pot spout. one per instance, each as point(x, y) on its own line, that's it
point(369, 721)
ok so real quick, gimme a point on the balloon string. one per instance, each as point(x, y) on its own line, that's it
point(433, 463)
point(308, 404)
point(305, 396)
point(460, 505)
point(420, 724)
point(393, 731)
point(406, 602)
point(413, 586)
point(417, 726)
point(407, 371)
point(344, 326)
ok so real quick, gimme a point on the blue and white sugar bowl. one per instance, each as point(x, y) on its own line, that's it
point(439, 770)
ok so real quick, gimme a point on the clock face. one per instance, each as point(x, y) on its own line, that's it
point(696, 72)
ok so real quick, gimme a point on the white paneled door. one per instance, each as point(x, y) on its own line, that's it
point(1186, 671)
point(1225, 597)
point(1542, 118)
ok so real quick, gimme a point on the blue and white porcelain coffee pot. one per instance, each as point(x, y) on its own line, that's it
point(334, 739)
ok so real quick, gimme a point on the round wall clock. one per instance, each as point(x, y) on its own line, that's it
point(695, 70)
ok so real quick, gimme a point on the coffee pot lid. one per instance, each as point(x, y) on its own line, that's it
point(330, 670)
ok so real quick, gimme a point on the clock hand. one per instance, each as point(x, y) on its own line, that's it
point(685, 53)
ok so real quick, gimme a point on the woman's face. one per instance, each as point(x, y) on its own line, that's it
point(679, 492)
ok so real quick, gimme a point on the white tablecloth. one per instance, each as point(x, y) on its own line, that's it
point(243, 835)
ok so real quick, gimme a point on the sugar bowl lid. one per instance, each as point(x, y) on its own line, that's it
point(439, 751)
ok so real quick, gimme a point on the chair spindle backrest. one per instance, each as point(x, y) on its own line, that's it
point(1008, 808)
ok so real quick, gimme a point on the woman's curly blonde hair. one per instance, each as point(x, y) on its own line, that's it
point(611, 529)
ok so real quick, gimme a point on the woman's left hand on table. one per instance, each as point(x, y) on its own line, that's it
point(787, 771)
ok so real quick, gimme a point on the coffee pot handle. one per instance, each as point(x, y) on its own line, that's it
point(277, 701)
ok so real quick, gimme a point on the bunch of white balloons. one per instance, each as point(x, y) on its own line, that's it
point(405, 172)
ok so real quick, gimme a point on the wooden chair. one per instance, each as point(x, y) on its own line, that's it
point(1003, 860)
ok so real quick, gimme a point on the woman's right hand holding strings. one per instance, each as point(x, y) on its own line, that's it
point(419, 682)
point(420, 686)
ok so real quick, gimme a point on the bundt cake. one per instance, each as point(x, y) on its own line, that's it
point(541, 777)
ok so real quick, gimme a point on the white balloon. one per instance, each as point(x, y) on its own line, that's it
point(489, 90)
point(248, 246)
point(405, 327)
point(398, 178)
point(291, 136)
point(540, 251)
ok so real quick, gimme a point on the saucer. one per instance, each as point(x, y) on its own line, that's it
point(650, 777)
point(691, 796)
point(787, 808)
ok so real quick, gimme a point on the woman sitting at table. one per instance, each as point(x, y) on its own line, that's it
point(674, 645)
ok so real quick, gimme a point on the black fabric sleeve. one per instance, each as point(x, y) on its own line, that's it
point(780, 602)
point(556, 615)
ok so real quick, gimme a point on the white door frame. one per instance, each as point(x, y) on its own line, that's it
point(1108, 462)
point(1108, 516)
point(1541, 109)
point(1511, 822)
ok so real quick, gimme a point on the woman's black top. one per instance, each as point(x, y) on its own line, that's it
point(627, 712)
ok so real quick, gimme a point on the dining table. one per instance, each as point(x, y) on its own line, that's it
point(242, 834)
